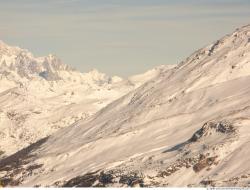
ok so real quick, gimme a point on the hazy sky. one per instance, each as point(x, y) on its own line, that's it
point(119, 37)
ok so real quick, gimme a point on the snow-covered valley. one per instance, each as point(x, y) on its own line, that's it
point(184, 125)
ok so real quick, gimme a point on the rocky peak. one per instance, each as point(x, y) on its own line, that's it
point(26, 65)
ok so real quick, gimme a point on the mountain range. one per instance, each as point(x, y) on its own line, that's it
point(40, 95)
point(181, 125)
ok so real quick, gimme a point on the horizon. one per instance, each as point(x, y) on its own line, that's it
point(118, 37)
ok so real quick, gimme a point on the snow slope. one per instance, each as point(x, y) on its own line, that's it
point(38, 96)
point(188, 126)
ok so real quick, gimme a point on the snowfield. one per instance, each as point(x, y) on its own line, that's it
point(186, 126)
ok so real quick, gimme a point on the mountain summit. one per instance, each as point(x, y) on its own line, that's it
point(14, 59)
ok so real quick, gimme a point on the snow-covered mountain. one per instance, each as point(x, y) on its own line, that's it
point(38, 96)
point(188, 126)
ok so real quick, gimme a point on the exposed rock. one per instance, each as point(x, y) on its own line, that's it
point(86, 180)
point(208, 183)
point(19, 163)
point(210, 127)
point(203, 163)
point(104, 179)
point(131, 180)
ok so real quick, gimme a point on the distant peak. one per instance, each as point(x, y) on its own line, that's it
point(96, 73)
point(52, 56)
point(26, 65)
point(52, 59)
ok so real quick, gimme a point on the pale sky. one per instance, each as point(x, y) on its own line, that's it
point(119, 37)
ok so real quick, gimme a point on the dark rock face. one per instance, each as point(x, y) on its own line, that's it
point(1, 152)
point(18, 164)
point(204, 163)
point(44, 74)
point(213, 48)
point(210, 127)
point(207, 129)
point(48, 75)
point(86, 180)
point(131, 180)
point(105, 179)
point(207, 183)
point(5, 181)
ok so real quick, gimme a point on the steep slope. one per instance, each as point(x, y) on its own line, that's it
point(38, 96)
point(186, 127)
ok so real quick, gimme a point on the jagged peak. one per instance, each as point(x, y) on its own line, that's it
point(25, 64)
point(96, 73)
point(6, 49)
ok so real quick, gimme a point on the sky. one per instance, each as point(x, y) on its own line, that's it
point(119, 37)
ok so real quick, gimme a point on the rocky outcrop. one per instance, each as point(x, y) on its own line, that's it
point(19, 165)
point(106, 179)
point(212, 127)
